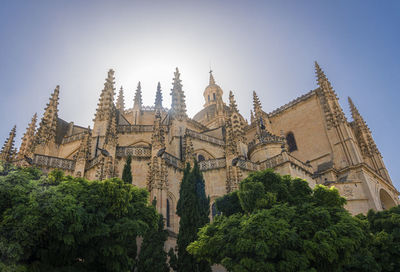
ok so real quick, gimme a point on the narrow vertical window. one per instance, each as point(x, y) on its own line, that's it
point(214, 210)
point(168, 214)
point(214, 96)
point(208, 98)
point(291, 142)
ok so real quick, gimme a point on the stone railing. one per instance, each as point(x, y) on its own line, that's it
point(282, 158)
point(134, 151)
point(134, 128)
point(272, 162)
point(305, 167)
point(73, 138)
point(172, 160)
point(205, 138)
point(247, 165)
point(53, 162)
point(212, 164)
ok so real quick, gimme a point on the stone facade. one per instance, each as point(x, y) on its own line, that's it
point(309, 138)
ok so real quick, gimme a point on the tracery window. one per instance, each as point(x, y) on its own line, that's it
point(291, 141)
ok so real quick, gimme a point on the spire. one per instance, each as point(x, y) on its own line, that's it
point(330, 103)
point(232, 102)
point(251, 116)
point(212, 80)
point(178, 105)
point(120, 100)
point(322, 80)
point(256, 105)
point(48, 125)
point(28, 139)
point(364, 135)
point(158, 102)
point(7, 152)
point(106, 101)
point(137, 103)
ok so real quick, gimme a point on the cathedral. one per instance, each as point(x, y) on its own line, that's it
point(309, 137)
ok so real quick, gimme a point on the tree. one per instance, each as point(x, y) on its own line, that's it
point(72, 224)
point(193, 208)
point(152, 257)
point(283, 225)
point(385, 246)
point(127, 172)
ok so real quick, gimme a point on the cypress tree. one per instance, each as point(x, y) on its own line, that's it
point(193, 208)
point(127, 172)
point(152, 257)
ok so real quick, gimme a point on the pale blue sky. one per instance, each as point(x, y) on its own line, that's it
point(267, 46)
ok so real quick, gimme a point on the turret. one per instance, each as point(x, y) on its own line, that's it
point(178, 105)
point(48, 126)
point(8, 152)
point(26, 147)
point(213, 93)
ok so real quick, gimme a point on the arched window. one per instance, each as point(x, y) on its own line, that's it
point(291, 142)
point(168, 214)
point(214, 210)
point(208, 98)
point(200, 158)
point(214, 96)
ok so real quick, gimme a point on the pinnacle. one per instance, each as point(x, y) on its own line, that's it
point(232, 101)
point(120, 100)
point(158, 101)
point(212, 80)
point(256, 103)
point(138, 96)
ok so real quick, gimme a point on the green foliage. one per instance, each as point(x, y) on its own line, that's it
point(193, 208)
point(173, 259)
point(385, 226)
point(229, 204)
point(127, 172)
point(284, 226)
point(70, 224)
point(152, 257)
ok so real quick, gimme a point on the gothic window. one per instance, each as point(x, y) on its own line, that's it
point(200, 158)
point(168, 214)
point(214, 210)
point(214, 96)
point(208, 98)
point(291, 142)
